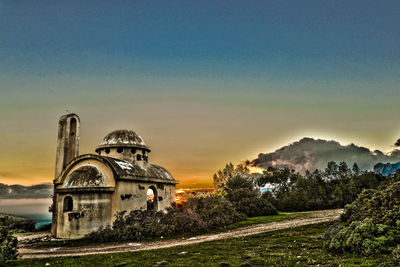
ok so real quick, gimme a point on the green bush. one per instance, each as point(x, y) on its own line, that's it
point(382, 206)
point(396, 255)
point(352, 211)
point(246, 199)
point(215, 211)
point(8, 246)
point(362, 237)
point(139, 225)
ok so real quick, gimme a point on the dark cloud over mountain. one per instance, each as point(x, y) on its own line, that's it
point(17, 191)
point(397, 142)
point(311, 154)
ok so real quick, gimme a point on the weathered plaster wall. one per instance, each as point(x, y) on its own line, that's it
point(133, 195)
point(90, 211)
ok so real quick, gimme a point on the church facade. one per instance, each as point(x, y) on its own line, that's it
point(90, 189)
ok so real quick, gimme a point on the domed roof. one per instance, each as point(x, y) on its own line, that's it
point(123, 138)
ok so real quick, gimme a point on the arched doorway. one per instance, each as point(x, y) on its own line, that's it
point(152, 198)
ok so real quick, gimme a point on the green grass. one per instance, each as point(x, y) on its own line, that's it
point(258, 220)
point(247, 222)
point(300, 246)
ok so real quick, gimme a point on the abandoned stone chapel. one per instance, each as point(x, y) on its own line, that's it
point(90, 189)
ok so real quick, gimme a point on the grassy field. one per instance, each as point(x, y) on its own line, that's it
point(247, 222)
point(293, 247)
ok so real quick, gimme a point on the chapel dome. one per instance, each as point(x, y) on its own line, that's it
point(123, 138)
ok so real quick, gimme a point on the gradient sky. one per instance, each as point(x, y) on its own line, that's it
point(203, 82)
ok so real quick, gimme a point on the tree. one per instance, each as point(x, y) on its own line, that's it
point(246, 199)
point(281, 179)
point(221, 177)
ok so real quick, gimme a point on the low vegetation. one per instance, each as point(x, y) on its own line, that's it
point(302, 246)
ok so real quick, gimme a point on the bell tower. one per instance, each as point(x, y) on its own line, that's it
point(67, 150)
point(67, 141)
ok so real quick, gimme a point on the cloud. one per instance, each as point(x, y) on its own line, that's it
point(311, 154)
point(17, 191)
point(397, 142)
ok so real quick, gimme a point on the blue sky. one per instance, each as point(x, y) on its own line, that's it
point(258, 74)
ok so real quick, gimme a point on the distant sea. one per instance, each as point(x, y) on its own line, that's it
point(40, 219)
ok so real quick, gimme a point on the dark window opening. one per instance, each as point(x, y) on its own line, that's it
point(133, 150)
point(145, 158)
point(68, 204)
point(75, 215)
point(71, 140)
point(126, 196)
point(160, 186)
point(120, 150)
point(107, 150)
point(139, 157)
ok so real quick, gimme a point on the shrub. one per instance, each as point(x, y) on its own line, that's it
point(146, 224)
point(362, 237)
point(246, 199)
point(352, 211)
point(382, 206)
point(214, 210)
point(8, 246)
point(396, 255)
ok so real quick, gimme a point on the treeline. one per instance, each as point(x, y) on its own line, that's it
point(334, 187)
point(17, 224)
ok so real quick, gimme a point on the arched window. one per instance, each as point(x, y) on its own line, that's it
point(152, 198)
point(120, 150)
point(68, 204)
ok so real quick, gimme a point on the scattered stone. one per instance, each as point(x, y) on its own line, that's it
point(162, 263)
point(182, 253)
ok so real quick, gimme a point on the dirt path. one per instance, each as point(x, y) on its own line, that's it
point(312, 218)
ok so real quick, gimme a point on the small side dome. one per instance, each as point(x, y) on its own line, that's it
point(123, 138)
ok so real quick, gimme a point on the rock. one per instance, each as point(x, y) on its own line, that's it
point(162, 263)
